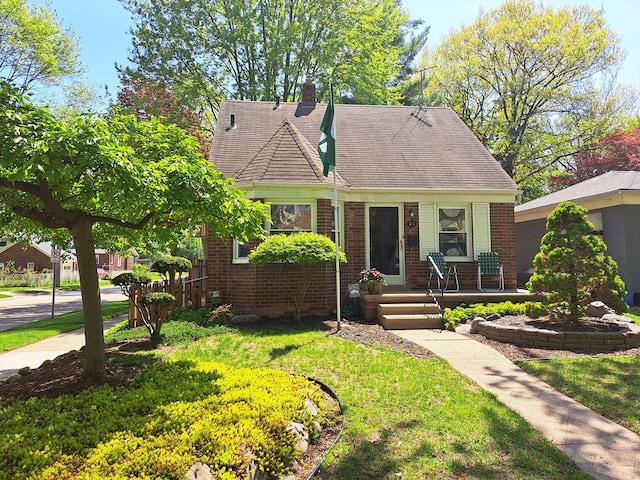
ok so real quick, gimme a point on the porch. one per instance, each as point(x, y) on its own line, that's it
point(399, 307)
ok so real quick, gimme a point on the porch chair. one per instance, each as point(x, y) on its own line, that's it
point(489, 266)
point(446, 270)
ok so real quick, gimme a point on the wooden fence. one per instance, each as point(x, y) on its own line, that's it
point(190, 296)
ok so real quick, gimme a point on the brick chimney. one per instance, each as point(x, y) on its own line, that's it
point(309, 93)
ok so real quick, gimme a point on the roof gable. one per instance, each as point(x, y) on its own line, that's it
point(286, 155)
point(379, 147)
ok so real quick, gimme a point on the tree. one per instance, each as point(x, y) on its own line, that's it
point(533, 83)
point(302, 250)
point(619, 151)
point(170, 266)
point(143, 98)
point(572, 266)
point(263, 50)
point(33, 46)
point(114, 181)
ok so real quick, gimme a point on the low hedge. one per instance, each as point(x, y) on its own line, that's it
point(461, 314)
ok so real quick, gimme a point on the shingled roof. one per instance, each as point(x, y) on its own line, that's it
point(605, 184)
point(387, 147)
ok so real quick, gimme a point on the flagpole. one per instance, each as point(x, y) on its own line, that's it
point(336, 220)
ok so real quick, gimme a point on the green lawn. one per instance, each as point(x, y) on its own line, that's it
point(48, 327)
point(405, 417)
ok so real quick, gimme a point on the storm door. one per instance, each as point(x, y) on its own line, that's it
point(384, 243)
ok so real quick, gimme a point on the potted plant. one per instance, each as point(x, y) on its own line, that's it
point(372, 279)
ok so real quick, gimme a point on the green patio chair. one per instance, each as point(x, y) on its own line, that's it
point(489, 266)
point(446, 270)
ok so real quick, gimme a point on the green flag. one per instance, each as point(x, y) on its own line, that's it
point(327, 144)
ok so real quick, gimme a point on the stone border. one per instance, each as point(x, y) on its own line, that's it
point(540, 338)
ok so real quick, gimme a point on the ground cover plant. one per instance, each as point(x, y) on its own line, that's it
point(405, 417)
point(48, 327)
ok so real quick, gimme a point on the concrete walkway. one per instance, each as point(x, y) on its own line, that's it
point(35, 354)
point(599, 446)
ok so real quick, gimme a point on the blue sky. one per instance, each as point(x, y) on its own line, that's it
point(102, 27)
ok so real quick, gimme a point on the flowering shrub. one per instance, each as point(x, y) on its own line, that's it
point(371, 275)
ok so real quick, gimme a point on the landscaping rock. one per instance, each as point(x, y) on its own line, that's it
point(474, 324)
point(598, 309)
point(14, 378)
point(199, 471)
point(303, 436)
point(493, 317)
point(614, 317)
point(24, 371)
point(311, 407)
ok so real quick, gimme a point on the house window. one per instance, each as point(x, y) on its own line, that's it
point(452, 231)
point(31, 266)
point(290, 217)
point(240, 251)
point(3, 242)
point(119, 261)
point(97, 259)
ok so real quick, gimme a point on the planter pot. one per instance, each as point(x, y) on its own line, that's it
point(374, 287)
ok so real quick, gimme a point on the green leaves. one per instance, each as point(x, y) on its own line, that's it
point(302, 248)
point(572, 266)
point(532, 82)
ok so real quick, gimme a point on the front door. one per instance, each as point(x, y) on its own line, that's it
point(384, 242)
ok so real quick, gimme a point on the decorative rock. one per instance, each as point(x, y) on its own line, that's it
point(301, 433)
point(244, 320)
point(14, 378)
point(598, 309)
point(493, 317)
point(614, 317)
point(316, 426)
point(311, 407)
point(199, 471)
point(475, 323)
point(24, 371)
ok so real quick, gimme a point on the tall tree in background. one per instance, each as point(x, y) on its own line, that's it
point(143, 98)
point(34, 48)
point(115, 182)
point(533, 83)
point(204, 50)
point(619, 151)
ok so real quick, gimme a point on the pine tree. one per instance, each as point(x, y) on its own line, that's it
point(572, 267)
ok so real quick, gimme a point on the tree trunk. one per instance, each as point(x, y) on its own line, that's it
point(91, 303)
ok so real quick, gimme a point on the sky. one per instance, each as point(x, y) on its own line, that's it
point(102, 27)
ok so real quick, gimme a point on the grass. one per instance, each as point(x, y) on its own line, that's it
point(608, 385)
point(405, 418)
point(48, 327)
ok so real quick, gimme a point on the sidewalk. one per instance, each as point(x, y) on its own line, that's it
point(599, 446)
point(35, 354)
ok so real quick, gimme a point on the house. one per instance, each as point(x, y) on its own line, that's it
point(35, 258)
point(410, 180)
point(613, 202)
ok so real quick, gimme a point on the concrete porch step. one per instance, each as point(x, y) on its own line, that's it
point(407, 308)
point(411, 321)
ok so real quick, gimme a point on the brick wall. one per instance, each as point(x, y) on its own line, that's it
point(264, 290)
point(22, 257)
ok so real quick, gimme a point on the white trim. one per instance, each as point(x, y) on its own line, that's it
point(468, 229)
point(236, 258)
point(428, 230)
point(481, 228)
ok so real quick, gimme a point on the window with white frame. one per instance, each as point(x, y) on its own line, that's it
point(286, 218)
point(31, 266)
point(290, 218)
point(240, 251)
point(453, 238)
point(340, 238)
